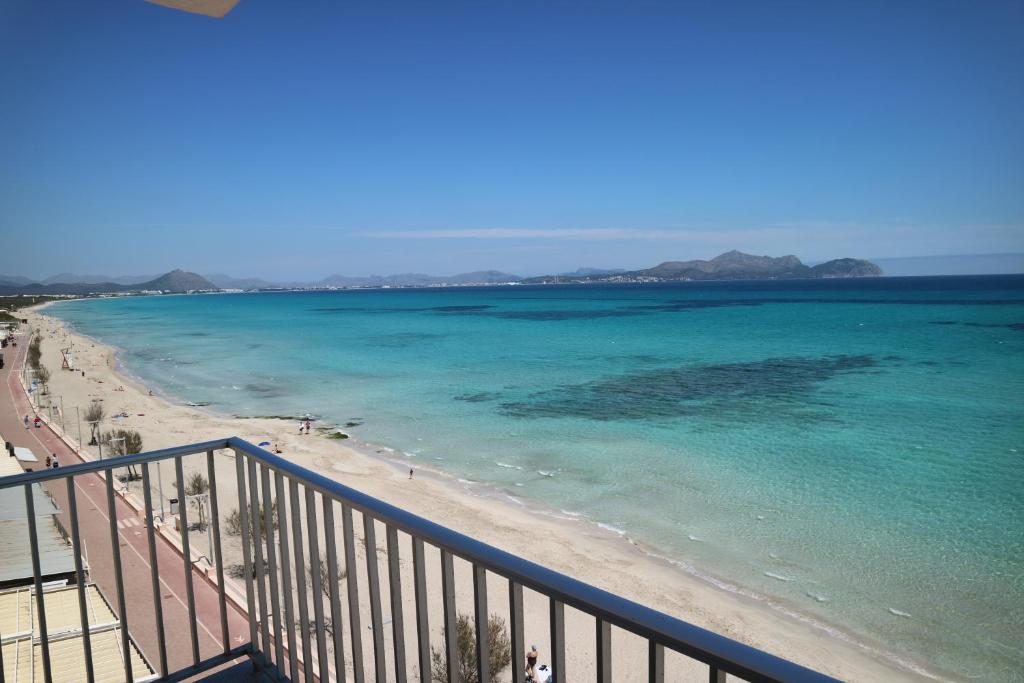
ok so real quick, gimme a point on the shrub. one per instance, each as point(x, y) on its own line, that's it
point(499, 650)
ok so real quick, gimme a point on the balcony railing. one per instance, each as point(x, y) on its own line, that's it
point(296, 625)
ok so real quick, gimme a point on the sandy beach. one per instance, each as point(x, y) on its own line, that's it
point(574, 547)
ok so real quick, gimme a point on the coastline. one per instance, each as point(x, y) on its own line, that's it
point(573, 545)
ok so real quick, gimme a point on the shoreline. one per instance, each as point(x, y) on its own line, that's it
point(496, 517)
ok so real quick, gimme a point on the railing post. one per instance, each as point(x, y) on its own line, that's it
point(275, 606)
point(300, 580)
point(483, 655)
point(83, 610)
point(515, 614)
point(154, 570)
point(604, 651)
point(352, 585)
point(715, 675)
point(373, 578)
point(259, 534)
point(218, 553)
point(317, 588)
point(115, 551)
point(243, 517)
point(186, 553)
point(655, 662)
point(33, 542)
point(286, 575)
point(451, 646)
point(558, 640)
point(422, 617)
point(397, 622)
point(331, 548)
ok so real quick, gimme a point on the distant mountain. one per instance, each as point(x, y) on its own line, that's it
point(72, 278)
point(227, 282)
point(177, 281)
point(480, 277)
point(732, 265)
point(15, 280)
point(174, 281)
point(594, 271)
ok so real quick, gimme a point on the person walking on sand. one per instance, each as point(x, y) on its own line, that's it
point(410, 474)
point(301, 426)
point(307, 425)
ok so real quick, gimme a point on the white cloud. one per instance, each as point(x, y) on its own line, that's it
point(589, 234)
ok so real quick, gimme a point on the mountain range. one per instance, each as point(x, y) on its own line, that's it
point(732, 265)
point(174, 281)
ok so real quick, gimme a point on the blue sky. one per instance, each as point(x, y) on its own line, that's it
point(302, 139)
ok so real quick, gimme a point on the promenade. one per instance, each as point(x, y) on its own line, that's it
point(94, 523)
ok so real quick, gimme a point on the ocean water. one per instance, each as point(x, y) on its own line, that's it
point(851, 451)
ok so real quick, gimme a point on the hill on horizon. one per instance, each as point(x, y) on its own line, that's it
point(176, 281)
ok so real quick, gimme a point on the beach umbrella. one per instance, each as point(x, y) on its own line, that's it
point(211, 8)
point(264, 443)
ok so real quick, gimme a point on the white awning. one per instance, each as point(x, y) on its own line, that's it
point(25, 454)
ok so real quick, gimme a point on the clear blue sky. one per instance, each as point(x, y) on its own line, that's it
point(298, 139)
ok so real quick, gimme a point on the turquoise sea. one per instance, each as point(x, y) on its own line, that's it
point(850, 450)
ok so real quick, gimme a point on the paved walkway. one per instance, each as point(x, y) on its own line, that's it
point(95, 533)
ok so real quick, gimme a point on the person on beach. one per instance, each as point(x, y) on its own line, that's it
point(410, 474)
point(301, 426)
point(307, 425)
point(531, 662)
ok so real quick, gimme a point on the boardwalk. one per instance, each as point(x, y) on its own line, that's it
point(95, 533)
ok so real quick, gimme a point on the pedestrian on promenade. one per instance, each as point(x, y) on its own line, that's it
point(26, 421)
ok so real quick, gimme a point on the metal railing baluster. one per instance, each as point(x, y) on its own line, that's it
point(300, 580)
point(604, 651)
point(115, 552)
point(37, 578)
point(483, 655)
point(83, 610)
point(218, 555)
point(352, 585)
point(419, 569)
point(373, 579)
point(655, 662)
point(395, 584)
point(255, 513)
point(517, 628)
point(715, 675)
point(286, 576)
point(275, 601)
point(331, 548)
point(247, 529)
point(186, 554)
point(557, 640)
point(318, 593)
point(451, 646)
point(154, 570)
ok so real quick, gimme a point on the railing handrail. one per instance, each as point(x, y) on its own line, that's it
point(675, 634)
